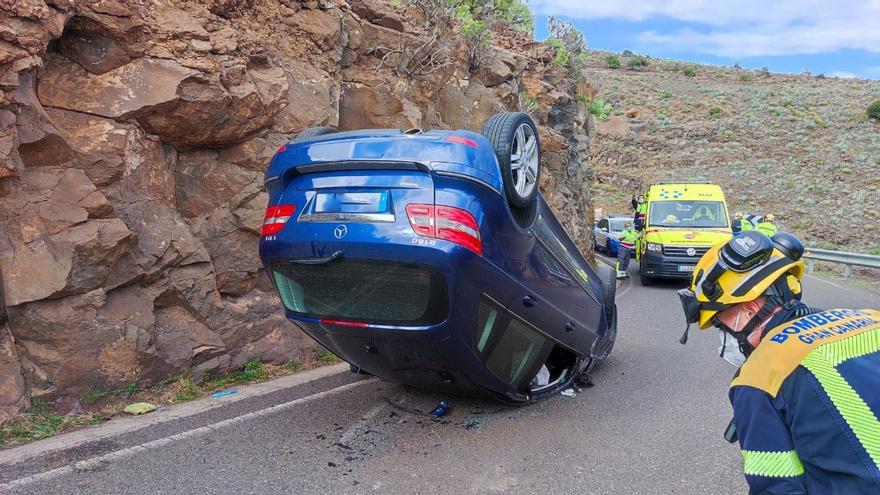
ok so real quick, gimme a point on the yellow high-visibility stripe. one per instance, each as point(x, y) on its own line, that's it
point(785, 464)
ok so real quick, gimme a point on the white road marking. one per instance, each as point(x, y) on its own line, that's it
point(828, 282)
point(96, 462)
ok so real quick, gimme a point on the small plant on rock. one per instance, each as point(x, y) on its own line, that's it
point(527, 102)
point(516, 13)
point(689, 72)
point(560, 53)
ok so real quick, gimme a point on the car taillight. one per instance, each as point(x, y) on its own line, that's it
point(462, 140)
point(276, 217)
point(344, 323)
point(446, 222)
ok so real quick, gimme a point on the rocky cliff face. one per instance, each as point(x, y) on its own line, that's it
point(133, 138)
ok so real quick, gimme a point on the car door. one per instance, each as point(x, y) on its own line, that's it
point(602, 235)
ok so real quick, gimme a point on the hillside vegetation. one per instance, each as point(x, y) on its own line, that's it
point(799, 146)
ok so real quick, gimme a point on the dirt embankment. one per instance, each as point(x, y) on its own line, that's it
point(798, 146)
point(133, 138)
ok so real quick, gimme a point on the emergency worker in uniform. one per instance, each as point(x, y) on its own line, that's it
point(766, 225)
point(628, 239)
point(641, 209)
point(741, 224)
point(806, 396)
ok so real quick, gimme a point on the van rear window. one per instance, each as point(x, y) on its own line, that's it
point(372, 291)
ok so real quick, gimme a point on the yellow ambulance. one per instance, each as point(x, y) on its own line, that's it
point(683, 220)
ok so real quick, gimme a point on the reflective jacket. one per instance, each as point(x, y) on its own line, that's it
point(766, 228)
point(628, 238)
point(806, 405)
point(745, 225)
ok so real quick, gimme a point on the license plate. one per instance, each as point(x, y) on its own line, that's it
point(686, 268)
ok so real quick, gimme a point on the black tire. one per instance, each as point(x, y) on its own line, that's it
point(520, 182)
point(645, 279)
point(314, 132)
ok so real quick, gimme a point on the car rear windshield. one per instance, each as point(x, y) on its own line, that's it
point(618, 225)
point(371, 291)
point(688, 214)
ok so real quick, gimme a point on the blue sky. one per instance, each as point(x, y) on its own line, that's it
point(833, 38)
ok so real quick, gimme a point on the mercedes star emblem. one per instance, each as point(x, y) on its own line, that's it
point(340, 231)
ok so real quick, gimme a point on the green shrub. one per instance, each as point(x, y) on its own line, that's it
point(612, 61)
point(516, 13)
point(477, 37)
point(715, 112)
point(874, 110)
point(745, 77)
point(689, 72)
point(627, 53)
point(560, 53)
point(600, 109)
point(574, 56)
point(636, 62)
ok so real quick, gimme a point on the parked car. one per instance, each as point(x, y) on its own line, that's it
point(606, 234)
point(430, 258)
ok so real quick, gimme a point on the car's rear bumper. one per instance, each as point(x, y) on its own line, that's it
point(662, 266)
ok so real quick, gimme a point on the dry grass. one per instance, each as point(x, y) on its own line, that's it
point(41, 421)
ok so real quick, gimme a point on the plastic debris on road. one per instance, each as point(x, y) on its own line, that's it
point(569, 392)
point(440, 410)
point(542, 378)
point(139, 408)
point(224, 393)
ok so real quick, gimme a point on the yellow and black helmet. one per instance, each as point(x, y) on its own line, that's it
point(746, 267)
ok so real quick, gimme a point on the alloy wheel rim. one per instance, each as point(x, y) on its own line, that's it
point(524, 160)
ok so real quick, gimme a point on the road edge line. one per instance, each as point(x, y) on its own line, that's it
point(95, 462)
point(124, 425)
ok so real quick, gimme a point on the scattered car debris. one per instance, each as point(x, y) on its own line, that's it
point(440, 410)
point(139, 408)
point(223, 393)
point(569, 392)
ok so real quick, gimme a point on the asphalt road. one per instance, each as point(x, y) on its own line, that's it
point(651, 424)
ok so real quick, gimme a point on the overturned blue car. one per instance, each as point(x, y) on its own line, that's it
point(430, 258)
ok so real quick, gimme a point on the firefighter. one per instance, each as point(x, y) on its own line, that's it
point(766, 225)
point(805, 397)
point(640, 206)
point(628, 239)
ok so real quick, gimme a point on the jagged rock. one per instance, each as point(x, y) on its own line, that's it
point(93, 51)
point(468, 107)
point(203, 182)
point(142, 83)
point(182, 340)
point(220, 109)
point(66, 337)
point(314, 100)
point(58, 243)
point(319, 26)
point(13, 393)
point(378, 13)
point(98, 143)
point(164, 239)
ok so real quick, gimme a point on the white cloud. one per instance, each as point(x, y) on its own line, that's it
point(740, 29)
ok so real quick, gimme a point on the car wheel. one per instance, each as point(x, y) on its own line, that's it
point(644, 278)
point(609, 294)
point(514, 138)
point(314, 132)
